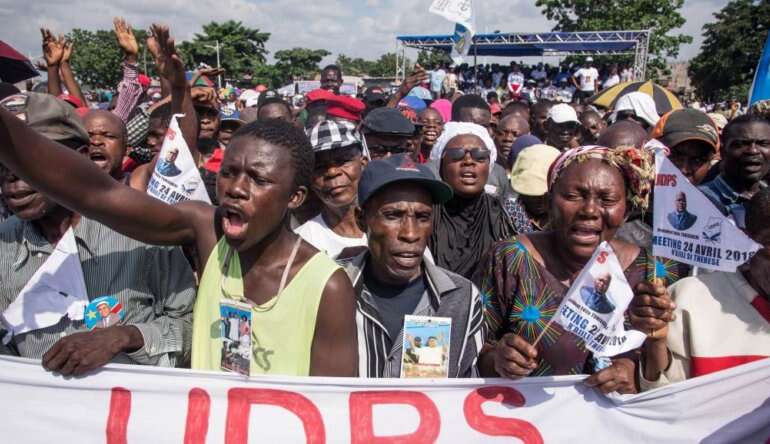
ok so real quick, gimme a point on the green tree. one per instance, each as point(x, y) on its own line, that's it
point(96, 56)
point(725, 66)
point(241, 49)
point(659, 16)
point(299, 62)
point(385, 66)
point(354, 66)
point(430, 59)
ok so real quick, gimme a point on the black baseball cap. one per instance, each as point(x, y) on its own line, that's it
point(388, 121)
point(686, 124)
point(400, 168)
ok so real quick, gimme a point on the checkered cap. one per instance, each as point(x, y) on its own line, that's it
point(333, 134)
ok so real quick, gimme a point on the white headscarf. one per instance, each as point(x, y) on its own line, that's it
point(641, 104)
point(453, 129)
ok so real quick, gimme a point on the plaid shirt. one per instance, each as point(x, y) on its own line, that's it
point(154, 284)
point(449, 295)
point(138, 126)
point(129, 91)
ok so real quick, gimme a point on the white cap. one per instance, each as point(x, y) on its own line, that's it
point(250, 97)
point(589, 59)
point(562, 113)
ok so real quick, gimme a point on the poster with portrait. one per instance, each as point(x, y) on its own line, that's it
point(235, 327)
point(176, 177)
point(425, 353)
point(593, 307)
point(688, 228)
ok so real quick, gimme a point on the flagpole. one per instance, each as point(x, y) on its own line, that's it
point(475, 65)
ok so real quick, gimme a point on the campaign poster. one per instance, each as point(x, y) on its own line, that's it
point(426, 347)
point(176, 177)
point(593, 307)
point(235, 325)
point(688, 228)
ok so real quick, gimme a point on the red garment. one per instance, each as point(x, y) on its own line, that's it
point(129, 165)
point(215, 161)
point(344, 107)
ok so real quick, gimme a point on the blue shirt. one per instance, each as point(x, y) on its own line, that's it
point(727, 200)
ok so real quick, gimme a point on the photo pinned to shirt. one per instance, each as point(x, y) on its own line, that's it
point(235, 320)
point(426, 347)
point(103, 312)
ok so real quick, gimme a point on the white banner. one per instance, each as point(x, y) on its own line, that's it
point(457, 11)
point(136, 404)
point(688, 228)
point(595, 303)
point(176, 177)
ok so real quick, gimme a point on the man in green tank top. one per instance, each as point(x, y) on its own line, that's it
point(265, 174)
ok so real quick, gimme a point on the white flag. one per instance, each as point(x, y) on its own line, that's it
point(688, 228)
point(176, 177)
point(461, 13)
point(57, 289)
point(593, 307)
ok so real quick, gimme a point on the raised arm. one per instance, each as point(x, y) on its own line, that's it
point(170, 67)
point(67, 75)
point(53, 49)
point(129, 89)
point(417, 76)
point(77, 183)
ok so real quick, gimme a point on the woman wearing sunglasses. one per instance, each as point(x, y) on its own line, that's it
point(466, 226)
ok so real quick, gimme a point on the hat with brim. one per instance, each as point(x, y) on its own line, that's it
point(48, 115)
point(529, 175)
point(400, 168)
point(682, 125)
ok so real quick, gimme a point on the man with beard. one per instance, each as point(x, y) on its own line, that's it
point(745, 163)
point(562, 127)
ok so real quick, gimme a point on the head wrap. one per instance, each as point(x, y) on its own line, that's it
point(453, 129)
point(641, 104)
point(636, 166)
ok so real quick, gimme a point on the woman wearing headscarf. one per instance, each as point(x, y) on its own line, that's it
point(591, 192)
point(469, 224)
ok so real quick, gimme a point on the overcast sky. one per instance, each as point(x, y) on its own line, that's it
point(360, 28)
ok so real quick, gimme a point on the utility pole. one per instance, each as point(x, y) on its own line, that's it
point(216, 48)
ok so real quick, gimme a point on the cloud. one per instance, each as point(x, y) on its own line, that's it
point(357, 28)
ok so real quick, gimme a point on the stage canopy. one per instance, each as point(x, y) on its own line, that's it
point(541, 44)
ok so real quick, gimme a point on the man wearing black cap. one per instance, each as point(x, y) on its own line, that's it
point(392, 279)
point(153, 286)
point(387, 132)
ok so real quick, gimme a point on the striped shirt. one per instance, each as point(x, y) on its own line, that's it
point(154, 284)
point(447, 295)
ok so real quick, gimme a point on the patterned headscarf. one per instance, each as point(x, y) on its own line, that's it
point(637, 167)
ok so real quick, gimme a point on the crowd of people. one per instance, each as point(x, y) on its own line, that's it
point(333, 221)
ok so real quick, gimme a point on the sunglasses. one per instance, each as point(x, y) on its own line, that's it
point(382, 150)
point(458, 154)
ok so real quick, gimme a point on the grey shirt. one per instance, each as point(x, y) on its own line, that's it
point(154, 284)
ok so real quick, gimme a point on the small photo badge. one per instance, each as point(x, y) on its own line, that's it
point(103, 312)
point(426, 347)
point(235, 319)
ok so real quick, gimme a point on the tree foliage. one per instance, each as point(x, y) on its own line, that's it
point(241, 49)
point(385, 66)
point(299, 62)
point(659, 16)
point(96, 56)
point(725, 66)
point(431, 59)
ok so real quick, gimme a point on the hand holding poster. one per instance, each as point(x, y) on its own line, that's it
point(176, 177)
point(593, 307)
point(689, 229)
